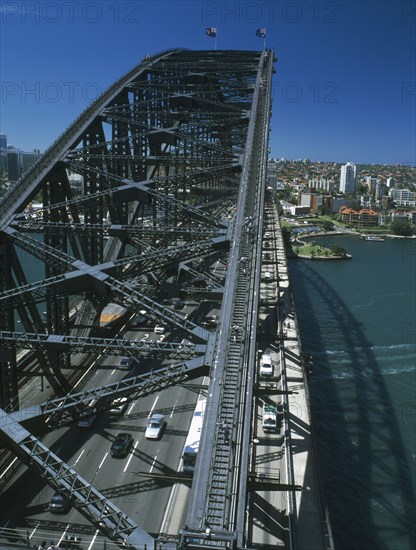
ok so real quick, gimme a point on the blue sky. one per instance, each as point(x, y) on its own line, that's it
point(344, 88)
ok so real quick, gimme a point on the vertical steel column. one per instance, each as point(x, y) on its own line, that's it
point(9, 396)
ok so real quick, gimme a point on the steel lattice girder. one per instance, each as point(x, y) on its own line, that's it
point(90, 502)
point(191, 106)
point(62, 410)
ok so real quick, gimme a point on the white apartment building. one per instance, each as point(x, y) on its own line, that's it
point(403, 197)
point(348, 178)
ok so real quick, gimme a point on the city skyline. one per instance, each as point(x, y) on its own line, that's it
point(338, 94)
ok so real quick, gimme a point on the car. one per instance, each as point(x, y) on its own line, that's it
point(121, 445)
point(266, 365)
point(159, 329)
point(178, 304)
point(125, 363)
point(155, 426)
point(119, 406)
point(141, 317)
point(87, 418)
point(267, 276)
point(59, 504)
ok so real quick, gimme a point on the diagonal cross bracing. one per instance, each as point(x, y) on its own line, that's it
point(62, 477)
point(63, 409)
point(165, 148)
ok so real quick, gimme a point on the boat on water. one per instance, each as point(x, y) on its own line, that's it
point(374, 238)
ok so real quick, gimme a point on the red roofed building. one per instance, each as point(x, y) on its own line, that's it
point(362, 218)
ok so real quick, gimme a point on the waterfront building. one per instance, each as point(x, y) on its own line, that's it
point(348, 178)
point(409, 216)
point(362, 218)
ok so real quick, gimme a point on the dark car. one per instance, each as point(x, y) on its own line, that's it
point(178, 304)
point(125, 363)
point(87, 418)
point(59, 504)
point(141, 318)
point(121, 445)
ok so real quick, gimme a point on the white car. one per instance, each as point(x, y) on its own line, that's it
point(119, 406)
point(159, 329)
point(155, 426)
point(266, 365)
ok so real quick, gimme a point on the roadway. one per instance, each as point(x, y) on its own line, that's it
point(87, 450)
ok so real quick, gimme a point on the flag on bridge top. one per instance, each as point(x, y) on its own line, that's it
point(211, 31)
point(261, 33)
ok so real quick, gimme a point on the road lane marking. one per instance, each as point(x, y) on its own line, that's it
point(93, 540)
point(63, 534)
point(173, 410)
point(131, 408)
point(131, 456)
point(34, 530)
point(101, 463)
point(4, 527)
point(8, 468)
point(153, 406)
point(153, 463)
point(77, 460)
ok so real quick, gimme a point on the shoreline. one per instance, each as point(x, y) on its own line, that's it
point(350, 233)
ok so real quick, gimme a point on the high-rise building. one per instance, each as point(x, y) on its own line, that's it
point(391, 182)
point(28, 159)
point(371, 183)
point(3, 141)
point(348, 178)
point(3, 155)
point(13, 164)
point(380, 190)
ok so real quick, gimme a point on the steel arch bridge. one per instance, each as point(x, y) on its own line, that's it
point(172, 164)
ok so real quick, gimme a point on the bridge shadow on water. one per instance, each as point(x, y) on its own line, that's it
point(367, 478)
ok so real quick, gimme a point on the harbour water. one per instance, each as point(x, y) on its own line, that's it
point(357, 320)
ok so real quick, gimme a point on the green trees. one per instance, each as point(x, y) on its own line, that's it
point(401, 227)
point(338, 250)
point(327, 225)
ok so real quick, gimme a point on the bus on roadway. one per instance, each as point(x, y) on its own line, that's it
point(190, 450)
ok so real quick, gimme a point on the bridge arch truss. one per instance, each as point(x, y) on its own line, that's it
point(160, 177)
